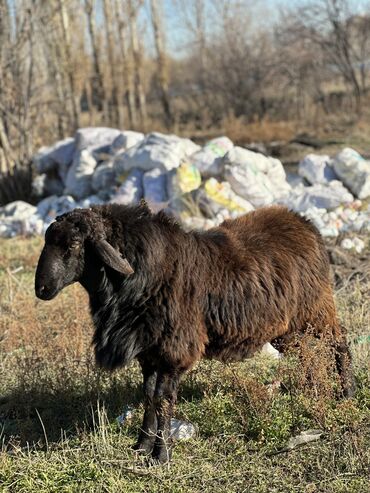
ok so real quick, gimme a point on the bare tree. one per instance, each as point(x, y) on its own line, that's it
point(134, 6)
point(114, 112)
point(126, 61)
point(325, 23)
point(163, 76)
point(97, 81)
point(67, 59)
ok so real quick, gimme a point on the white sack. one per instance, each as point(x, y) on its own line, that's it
point(155, 186)
point(125, 140)
point(131, 190)
point(94, 137)
point(155, 151)
point(253, 176)
point(104, 177)
point(354, 171)
point(79, 177)
point(322, 196)
point(209, 159)
point(317, 169)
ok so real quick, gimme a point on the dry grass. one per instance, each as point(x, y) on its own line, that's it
point(57, 411)
point(260, 131)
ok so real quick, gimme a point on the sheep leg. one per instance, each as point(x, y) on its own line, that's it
point(164, 401)
point(343, 360)
point(148, 430)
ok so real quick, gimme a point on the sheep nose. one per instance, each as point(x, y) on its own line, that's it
point(40, 290)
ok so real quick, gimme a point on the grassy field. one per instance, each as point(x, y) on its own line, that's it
point(58, 428)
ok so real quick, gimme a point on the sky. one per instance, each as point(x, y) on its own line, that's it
point(264, 13)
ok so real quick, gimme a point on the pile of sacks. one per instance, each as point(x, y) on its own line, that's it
point(201, 186)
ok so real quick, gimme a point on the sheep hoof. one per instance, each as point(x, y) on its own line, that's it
point(143, 447)
point(160, 455)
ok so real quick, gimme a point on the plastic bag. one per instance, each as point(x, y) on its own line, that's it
point(221, 196)
point(209, 159)
point(322, 196)
point(131, 190)
point(155, 186)
point(317, 169)
point(79, 177)
point(354, 171)
point(256, 178)
point(125, 140)
point(155, 151)
point(184, 179)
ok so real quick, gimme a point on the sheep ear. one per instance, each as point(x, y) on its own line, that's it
point(112, 257)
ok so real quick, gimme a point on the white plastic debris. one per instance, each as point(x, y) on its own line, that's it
point(79, 177)
point(194, 222)
point(183, 179)
point(354, 171)
point(131, 190)
point(18, 218)
point(104, 177)
point(220, 196)
point(301, 439)
point(322, 196)
point(256, 178)
point(104, 165)
point(126, 416)
point(17, 210)
point(155, 151)
point(317, 169)
point(54, 206)
point(182, 430)
point(155, 186)
point(93, 138)
point(56, 157)
point(125, 140)
point(209, 159)
point(269, 350)
point(353, 244)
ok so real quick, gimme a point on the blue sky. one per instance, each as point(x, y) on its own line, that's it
point(263, 12)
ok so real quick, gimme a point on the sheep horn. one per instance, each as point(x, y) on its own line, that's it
point(112, 257)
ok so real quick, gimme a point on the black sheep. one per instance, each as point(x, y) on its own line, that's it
point(169, 298)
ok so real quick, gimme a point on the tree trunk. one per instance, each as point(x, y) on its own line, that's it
point(138, 65)
point(64, 18)
point(97, 82)
point(162, 61)
point(127, 66)
point(114, 112)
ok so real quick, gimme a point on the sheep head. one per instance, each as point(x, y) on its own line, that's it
point(68, 242)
